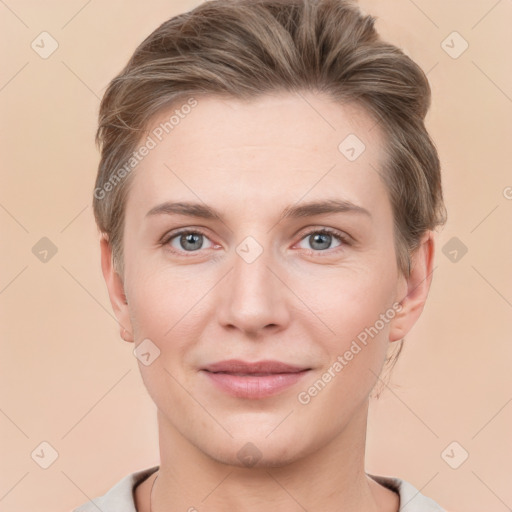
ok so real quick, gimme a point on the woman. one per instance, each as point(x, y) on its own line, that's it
point(267, 197)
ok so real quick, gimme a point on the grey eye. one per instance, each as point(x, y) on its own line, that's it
point(189, 241)
point(320, 240)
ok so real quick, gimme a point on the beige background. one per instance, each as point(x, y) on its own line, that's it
point(69, 380)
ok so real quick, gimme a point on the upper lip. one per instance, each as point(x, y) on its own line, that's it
point(258, 367)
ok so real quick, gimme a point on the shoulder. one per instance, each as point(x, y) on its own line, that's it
point(120, 497)
point(411, 500)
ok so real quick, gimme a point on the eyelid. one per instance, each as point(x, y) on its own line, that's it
point(344, 237)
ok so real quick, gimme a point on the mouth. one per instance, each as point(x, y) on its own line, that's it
point(256, 380)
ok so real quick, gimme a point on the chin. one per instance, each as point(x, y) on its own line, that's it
point(256, 451)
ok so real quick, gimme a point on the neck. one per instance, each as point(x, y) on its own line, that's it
point(330, 478)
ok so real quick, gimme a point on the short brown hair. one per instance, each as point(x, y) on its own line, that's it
point(246, 48)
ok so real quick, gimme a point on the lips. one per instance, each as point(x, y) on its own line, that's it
point(253, 380)
point(235, 366)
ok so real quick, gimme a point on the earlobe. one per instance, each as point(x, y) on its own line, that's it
point(116, 292)
point(417, 286)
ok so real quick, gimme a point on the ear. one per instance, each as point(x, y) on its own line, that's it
point(115, 288)
point(413, 290)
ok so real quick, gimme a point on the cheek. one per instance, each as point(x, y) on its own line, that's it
point(349, 300)
point(355, 353)
point(158, 300)
point(165, 311)
point(169, 310)
point(357, 308)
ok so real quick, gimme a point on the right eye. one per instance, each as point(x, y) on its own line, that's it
point(186, 241)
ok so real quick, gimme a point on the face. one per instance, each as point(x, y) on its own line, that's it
point(251, 236)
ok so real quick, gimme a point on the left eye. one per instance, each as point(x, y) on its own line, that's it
point(321, 240)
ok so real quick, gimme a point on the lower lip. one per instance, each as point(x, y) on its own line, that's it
point(254, 387)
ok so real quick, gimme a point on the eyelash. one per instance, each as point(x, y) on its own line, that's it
point(327, 231)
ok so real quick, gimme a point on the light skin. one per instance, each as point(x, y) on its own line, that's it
point(302, 301)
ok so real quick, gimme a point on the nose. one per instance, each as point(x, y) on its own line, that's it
point(253, 297)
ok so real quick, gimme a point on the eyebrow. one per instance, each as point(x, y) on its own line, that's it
point(308, 209)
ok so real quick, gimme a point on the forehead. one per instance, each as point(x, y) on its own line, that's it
point(282, 145)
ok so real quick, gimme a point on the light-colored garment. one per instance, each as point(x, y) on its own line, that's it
point(121, 497)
